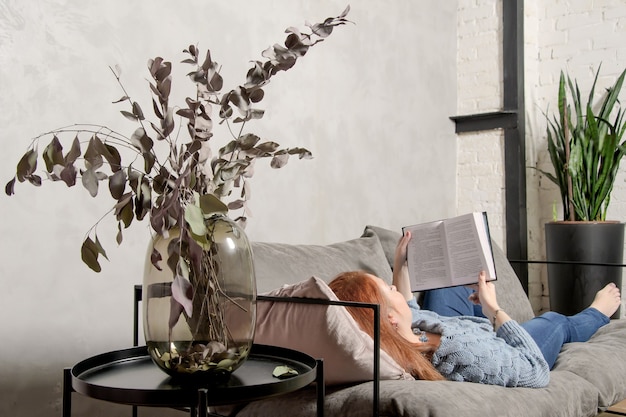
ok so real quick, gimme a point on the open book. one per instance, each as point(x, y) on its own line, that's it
point(449, 252)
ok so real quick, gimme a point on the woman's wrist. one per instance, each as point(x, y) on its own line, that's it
point(498, 318)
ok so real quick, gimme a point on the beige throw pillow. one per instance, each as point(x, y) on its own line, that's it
point(326, 332)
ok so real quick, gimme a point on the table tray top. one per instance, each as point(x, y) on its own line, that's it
point(129, 376)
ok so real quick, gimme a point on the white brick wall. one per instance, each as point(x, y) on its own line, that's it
point(575, 36)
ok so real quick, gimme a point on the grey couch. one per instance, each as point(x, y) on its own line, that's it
point(587, 378)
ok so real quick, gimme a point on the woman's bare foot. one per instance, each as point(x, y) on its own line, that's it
point(607, 300)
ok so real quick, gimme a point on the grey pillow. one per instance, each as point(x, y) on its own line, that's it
point(277, 264)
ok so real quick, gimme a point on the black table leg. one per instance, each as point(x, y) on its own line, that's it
point(67, 392)
point(203, 405)
point(320, 387)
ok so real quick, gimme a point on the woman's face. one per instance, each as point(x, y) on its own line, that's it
point(396, 301)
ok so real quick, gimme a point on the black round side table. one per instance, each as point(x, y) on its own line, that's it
point(129, 376)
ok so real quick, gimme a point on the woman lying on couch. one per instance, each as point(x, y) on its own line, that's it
point(452, 339)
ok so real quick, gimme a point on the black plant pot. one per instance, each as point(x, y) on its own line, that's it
point(573, 287)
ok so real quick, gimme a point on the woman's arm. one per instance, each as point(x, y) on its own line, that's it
point(485, 295)
point(511, 359)
point(400, 268)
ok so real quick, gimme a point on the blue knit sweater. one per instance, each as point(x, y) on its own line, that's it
point(471, 351)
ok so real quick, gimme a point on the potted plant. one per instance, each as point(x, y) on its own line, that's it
point(586, 148)
point(199, 292)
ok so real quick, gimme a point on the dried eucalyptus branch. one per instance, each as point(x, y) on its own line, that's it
point(192, 181)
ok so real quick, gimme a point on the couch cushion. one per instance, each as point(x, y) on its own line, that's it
point(511, 295)
point(327, 332)
point(278, 263)
point(601, 361)
point(567, 395)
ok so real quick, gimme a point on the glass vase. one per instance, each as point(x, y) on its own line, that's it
point(211, 335)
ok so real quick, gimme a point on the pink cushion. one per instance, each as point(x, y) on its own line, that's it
point(326, 332)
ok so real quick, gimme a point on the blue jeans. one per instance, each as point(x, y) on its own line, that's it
point(550, 330)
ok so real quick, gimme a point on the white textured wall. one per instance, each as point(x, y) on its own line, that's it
point(480, 166)
point(575, 36)
point(372, 104)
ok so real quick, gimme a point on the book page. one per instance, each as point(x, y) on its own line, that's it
point(468, 246)
point(426, 257)
point(449, 252)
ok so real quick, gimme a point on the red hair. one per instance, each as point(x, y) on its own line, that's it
point(414, 358)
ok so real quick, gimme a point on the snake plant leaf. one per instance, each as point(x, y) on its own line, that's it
point(575, 159)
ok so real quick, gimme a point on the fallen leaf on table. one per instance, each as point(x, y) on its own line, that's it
point(283, 371)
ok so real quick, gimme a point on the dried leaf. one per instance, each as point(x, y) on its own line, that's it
point(137, 111)
point(119, 236)
point(9, 189)
point(90, 181)
point(123, 98)
point(27, 165)
point(182, 292)
point(211, 204)
point(68, 175)
point(279, 160)
point(112, 155)
point(93, 157)
point(129, 115)
point(248, 141)
point(284, 371)
point(143, 200)
point(195, 219)
point(117, 184)
point(257, 95)
point(141, 141)
point(268, 147)
point(176, 309)
point(89, 254)
point(74, 152)
point(34, 179)
point(53, 154)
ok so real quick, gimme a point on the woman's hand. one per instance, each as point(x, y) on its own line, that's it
point(485, 295)
point(400, 268)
